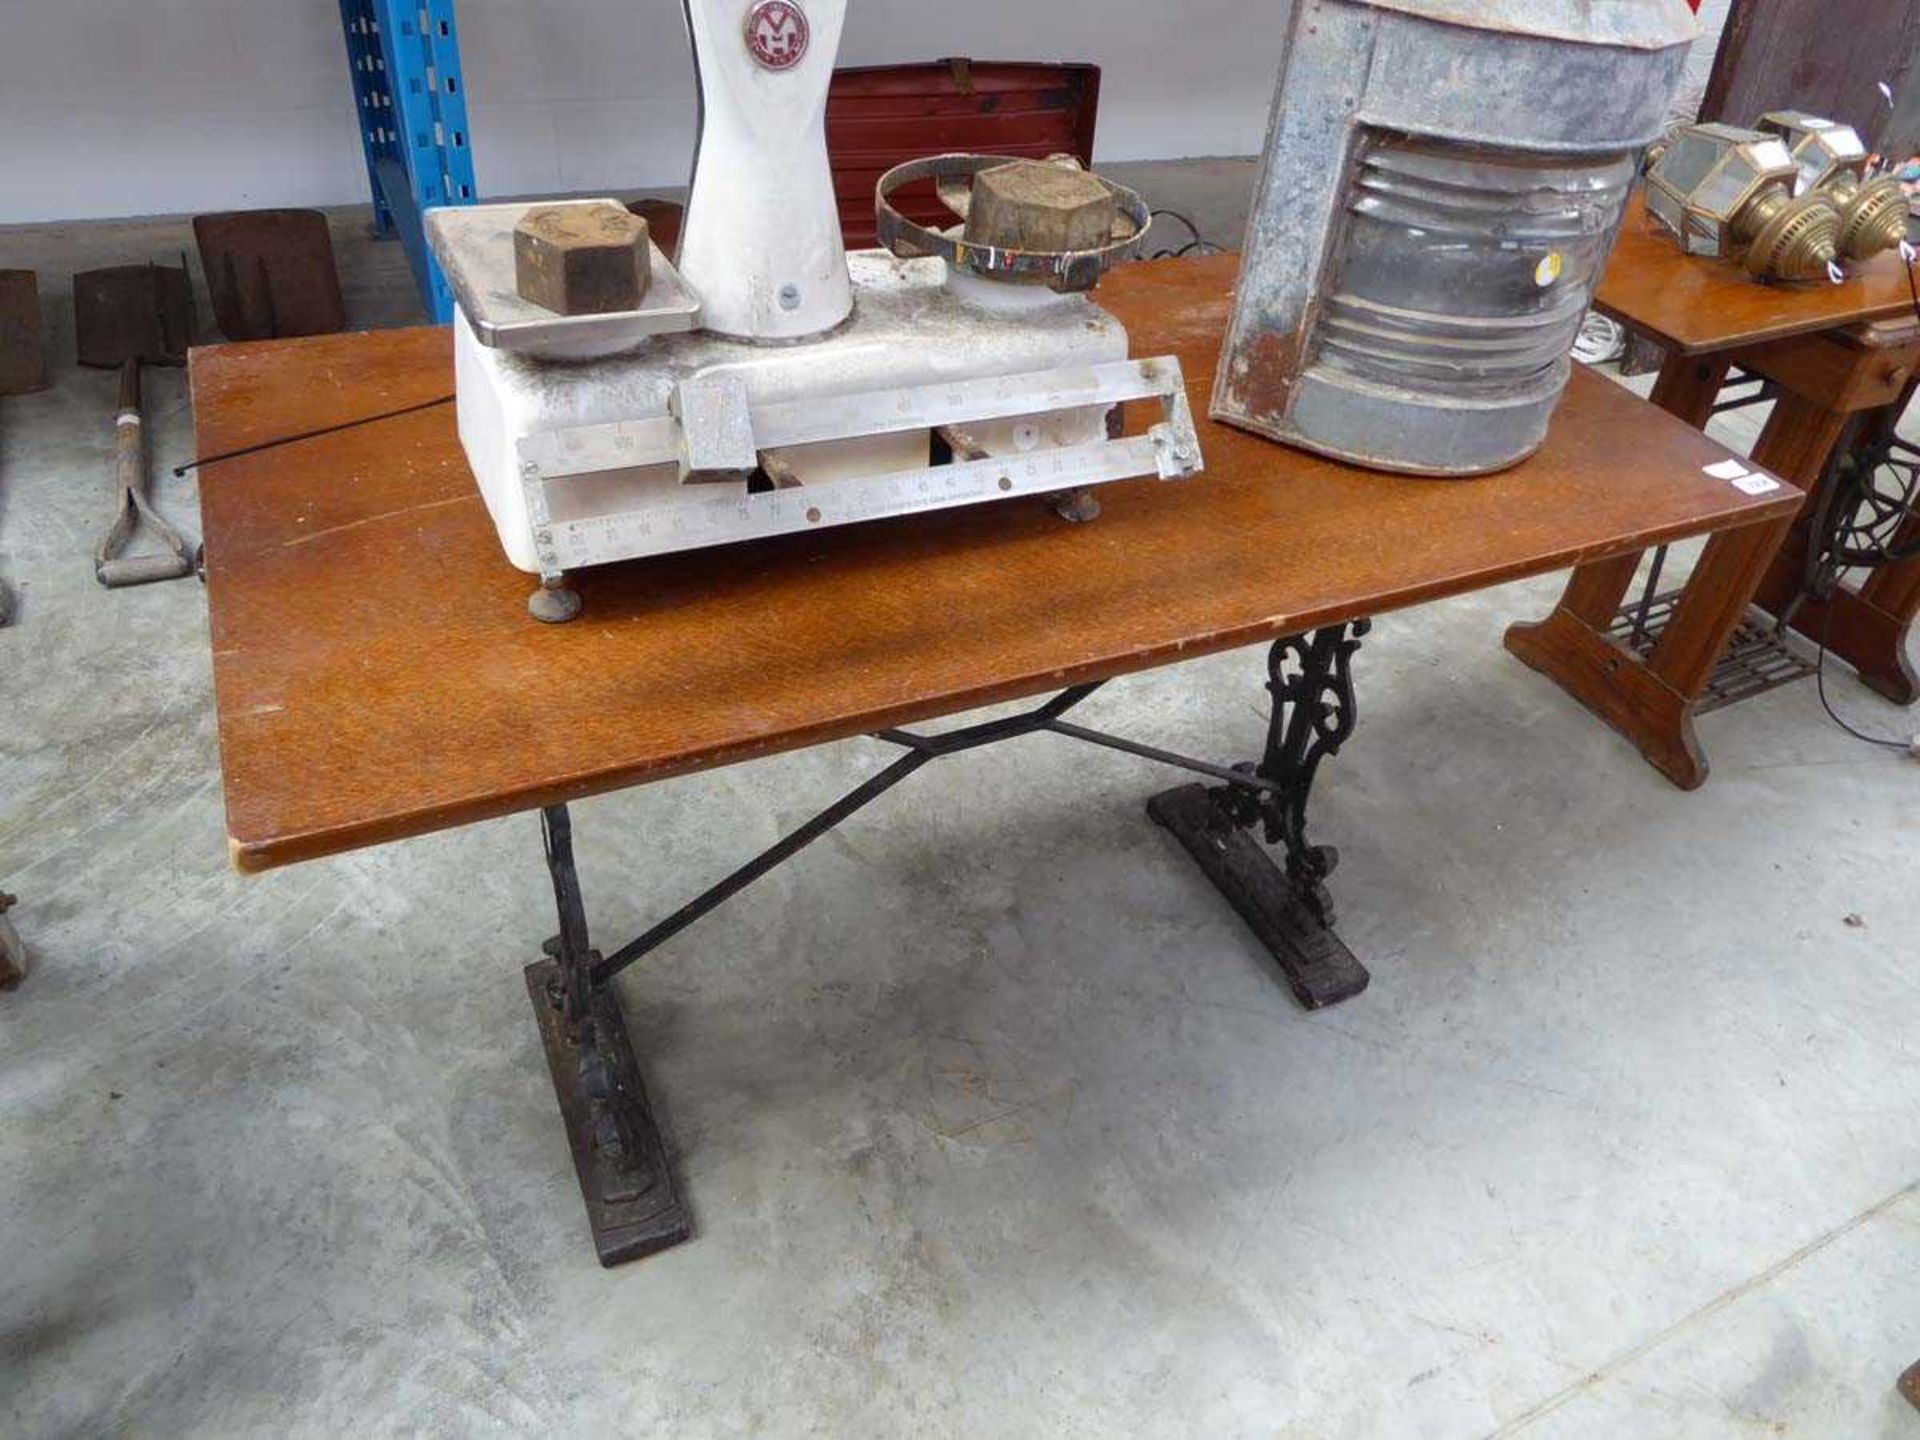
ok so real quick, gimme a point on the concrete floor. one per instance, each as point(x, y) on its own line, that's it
point(995, 1119)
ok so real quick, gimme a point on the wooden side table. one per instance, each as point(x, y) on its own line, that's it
point(1836, 355)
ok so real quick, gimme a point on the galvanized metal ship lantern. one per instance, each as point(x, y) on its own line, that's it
point(615, 405)
point(1441, 189)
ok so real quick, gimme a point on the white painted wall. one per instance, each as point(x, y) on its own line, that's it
point(140, 107)
point(131, 107)
point(127, 107)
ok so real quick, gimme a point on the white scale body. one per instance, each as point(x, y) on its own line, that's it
point(609, 438)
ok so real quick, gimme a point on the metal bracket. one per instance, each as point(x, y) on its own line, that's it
point(1068, 271)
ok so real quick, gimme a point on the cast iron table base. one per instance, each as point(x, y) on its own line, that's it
point(633, 1202)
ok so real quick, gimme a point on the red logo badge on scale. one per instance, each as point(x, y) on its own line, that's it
point(778, 34)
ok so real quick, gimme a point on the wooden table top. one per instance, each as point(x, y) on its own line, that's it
point(1700, 306)
point(378, 677)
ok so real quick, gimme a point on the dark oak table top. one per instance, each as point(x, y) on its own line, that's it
point(1699, 306)
point(378, 677)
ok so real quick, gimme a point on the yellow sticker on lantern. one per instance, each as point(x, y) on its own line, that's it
point(1549, 269)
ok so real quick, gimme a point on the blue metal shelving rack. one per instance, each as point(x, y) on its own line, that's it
point(412, 103)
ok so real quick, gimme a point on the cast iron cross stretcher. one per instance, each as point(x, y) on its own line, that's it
point(633, 1202)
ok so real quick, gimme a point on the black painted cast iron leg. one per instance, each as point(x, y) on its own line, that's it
point(633, 1204)
point(1290, 909)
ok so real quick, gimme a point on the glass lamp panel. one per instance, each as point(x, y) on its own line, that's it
point(1843, 142)
point(1721, 193)
point(1687, 163)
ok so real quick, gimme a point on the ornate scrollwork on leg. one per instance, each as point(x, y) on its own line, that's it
point(1314, 714)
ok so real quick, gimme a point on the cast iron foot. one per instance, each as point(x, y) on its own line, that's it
point(632, 1202)
point(1317, 964)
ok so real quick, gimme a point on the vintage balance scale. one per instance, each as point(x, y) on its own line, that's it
point(616, 405)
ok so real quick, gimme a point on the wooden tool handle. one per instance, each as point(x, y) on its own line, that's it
point(130, 455)
point(143, 570)
point(130, 475)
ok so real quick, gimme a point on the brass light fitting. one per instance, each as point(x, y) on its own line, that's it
point(1730, 193)
point(1830, 158)
point(1788, 238)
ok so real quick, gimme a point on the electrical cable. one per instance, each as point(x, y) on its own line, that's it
point(1192, 229)
point(206, 460)
point(1199, 241)
point(1839, 543)
point(1820, 683)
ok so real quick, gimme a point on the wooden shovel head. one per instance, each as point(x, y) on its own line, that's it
point(271, 273)
point(133, 312)
point(23, 349)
